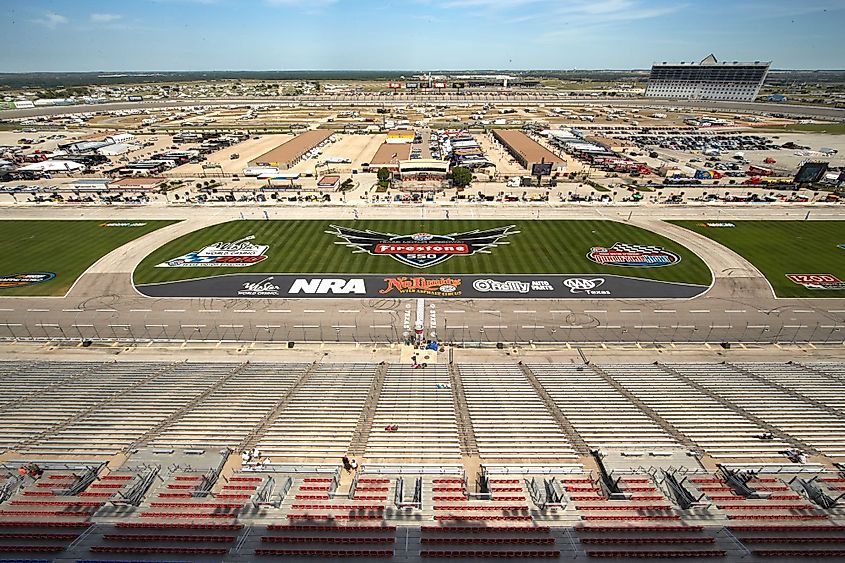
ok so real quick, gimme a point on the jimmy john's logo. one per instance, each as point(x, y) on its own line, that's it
point(237, 254)
point(633, 256)
point(422, 250)
point(444, 287)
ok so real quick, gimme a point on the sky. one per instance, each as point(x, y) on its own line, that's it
point(141, 35)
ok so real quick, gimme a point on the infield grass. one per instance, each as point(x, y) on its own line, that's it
point(66, 248)
point(778, 248)
point(541, 247)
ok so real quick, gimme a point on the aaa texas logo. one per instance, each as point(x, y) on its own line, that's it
point(422, 250)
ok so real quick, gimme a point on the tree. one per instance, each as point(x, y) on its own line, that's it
point(461, 176)
point(347, 185)
point(383, 176)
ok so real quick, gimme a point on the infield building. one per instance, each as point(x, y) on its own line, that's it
point(707, 80)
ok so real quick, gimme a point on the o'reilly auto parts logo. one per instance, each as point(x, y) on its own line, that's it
point(510, 286)
point(586, 285)
point(236, 254)
point(24, 279)
point(262, 288)
point(422, 250)
point(633, 256)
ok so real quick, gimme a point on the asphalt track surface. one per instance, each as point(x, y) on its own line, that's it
point(365, 100)
point(739, 307)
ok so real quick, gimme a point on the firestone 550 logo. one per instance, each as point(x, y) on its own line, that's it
point(236, 254)
point(422, 250)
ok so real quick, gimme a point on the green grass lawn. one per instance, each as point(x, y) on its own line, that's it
point(541, 247)
point(66, 248)
point(778, 248)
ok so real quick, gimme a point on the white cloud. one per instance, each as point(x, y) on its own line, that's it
point(51, 20)
point(105, 18)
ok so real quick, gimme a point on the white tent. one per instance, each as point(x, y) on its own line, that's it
point(52, 166)
point(116, 149)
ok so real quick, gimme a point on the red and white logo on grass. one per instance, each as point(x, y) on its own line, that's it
point(422, 250)
point(231, 254)
point(817, 281)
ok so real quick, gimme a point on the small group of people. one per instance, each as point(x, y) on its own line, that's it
point(391, 428)
point(417, 365)
point(30, 469)
point(252, 458)
point(349, 465)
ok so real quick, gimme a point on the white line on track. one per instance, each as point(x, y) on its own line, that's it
point(348, 311)
point(794, 326)
point(71, 310)
point(629, 310)
point(230, 326)
point(494, 326)
point(722, 326)
point(383, 326)
point(604, 327)
point(682, 326)
point(455, 327)
point(803, 311)
point(49, 325)
point(523, 311)
point(306, 326)
point(38, 310)
point(140, 310)
point(343, 326)
point(243, 310)
point(85, 325)
point(735, 310)
point(278, 310)
point(15, 324)
point(109, 311)
point(757, 326)
point(313, 311)
point(571, 326)
point(267, 326)
point(6, 310)
point(595, 310)
point(665, 311)
point(829, 310)
point(646, 326)
point(174, 310)
point(120, 326)
point(832, 326)
point(556, 311)
point(699, 310)
point(192, 326)
point(488, 311)
point(208, 311)
point(148, 326)
point(533, 326)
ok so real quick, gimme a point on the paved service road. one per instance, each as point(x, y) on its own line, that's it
point(739, 307)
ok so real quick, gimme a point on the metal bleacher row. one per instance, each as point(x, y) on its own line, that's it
point(516, 413)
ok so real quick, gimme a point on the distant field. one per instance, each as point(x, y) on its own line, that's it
point(778, 248)
point(64, 248)
point(828, 128)
point(541, 247)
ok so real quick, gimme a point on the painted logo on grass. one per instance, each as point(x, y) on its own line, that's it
point(633, 256)
point(422, 250)
point(24, 279)
point(236, 254)
point(817, 281)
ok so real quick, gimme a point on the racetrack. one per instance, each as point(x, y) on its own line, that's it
point(739, 307)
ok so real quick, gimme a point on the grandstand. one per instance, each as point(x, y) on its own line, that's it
point(142, 461)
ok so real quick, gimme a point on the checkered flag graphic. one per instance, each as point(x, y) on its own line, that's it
point(621, 246)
